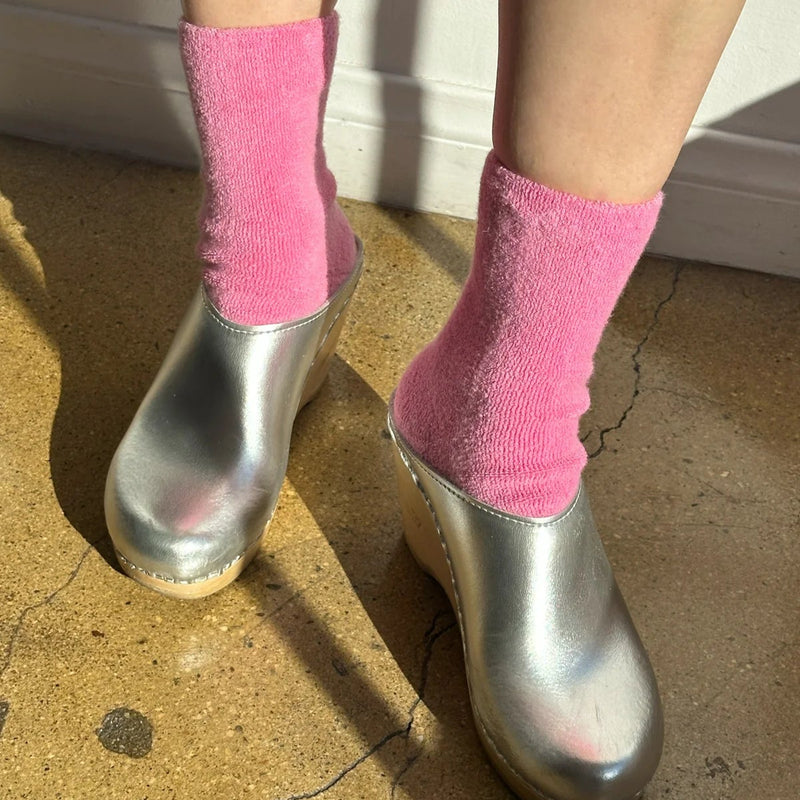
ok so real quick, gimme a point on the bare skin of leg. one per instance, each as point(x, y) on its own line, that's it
point(595, 97)
point(253, 13)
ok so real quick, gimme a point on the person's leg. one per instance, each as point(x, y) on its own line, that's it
point(253, 13)
point(594, 98)
point(195, 480)
point(273, 242)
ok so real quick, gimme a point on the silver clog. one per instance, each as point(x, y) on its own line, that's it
point(195, 480)
point(563, 694)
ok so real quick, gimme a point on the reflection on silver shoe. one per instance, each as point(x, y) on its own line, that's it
point(195, 480)
point(563, 694)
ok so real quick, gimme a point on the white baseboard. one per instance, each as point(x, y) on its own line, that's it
point(731, 199)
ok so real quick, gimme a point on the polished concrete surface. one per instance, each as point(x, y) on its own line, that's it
point(332, 667)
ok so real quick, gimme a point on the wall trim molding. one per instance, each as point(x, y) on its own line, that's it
point(118, 87)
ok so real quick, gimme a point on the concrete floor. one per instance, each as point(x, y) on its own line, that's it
point(332, 667)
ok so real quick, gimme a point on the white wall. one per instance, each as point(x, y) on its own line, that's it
point(412, 96)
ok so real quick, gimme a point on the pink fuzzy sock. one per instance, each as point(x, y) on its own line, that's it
point(274, 243)
point(493, 402)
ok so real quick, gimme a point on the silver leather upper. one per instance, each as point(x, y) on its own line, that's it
point(196, 477)
point(562, 690)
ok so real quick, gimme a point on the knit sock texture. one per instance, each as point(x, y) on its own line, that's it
point(273, 241)
point(493, 402)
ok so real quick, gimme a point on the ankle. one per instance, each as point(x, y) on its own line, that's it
point(273, 242)
point(494, 402)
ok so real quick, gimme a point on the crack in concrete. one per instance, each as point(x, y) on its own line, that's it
point(637, 367)
point(400, 775)
point(350, 767)
point(15, 631)
point(431, 636)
